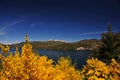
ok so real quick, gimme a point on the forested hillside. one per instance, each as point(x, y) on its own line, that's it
point(58, 45)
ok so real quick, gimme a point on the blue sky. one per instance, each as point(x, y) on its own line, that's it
point(71, 21)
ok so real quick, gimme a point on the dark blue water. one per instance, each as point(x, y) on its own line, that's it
point(78, 57)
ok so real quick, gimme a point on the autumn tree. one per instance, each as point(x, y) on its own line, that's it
point(29, 66)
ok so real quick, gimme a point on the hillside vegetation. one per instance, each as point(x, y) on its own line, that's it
point(57, 45)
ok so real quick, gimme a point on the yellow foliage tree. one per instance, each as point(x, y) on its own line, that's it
point(95, 70)
point(66, 71)
point(29, 66)
point(5, 49)
point(115, 70)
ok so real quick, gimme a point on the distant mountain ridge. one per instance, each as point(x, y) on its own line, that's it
point(60, 45)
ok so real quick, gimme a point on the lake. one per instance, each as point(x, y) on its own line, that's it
point(78, 57)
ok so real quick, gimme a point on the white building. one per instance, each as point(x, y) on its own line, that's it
point(80, 48)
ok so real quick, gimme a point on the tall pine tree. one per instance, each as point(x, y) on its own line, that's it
point(109, 46)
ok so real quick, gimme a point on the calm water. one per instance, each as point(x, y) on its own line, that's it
point(78, 57)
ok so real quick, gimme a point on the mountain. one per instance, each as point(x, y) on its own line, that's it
point(87, 44)
point(39, 44)
point(60, 45)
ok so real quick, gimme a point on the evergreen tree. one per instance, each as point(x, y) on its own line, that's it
point(109, 46)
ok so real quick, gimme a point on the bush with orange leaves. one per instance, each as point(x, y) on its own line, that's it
point(98, 70)
point(30, 66)
point(115, 70)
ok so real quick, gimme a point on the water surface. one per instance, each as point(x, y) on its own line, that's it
point(78, 57)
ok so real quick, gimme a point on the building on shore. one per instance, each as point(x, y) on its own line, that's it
point(80, 48)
